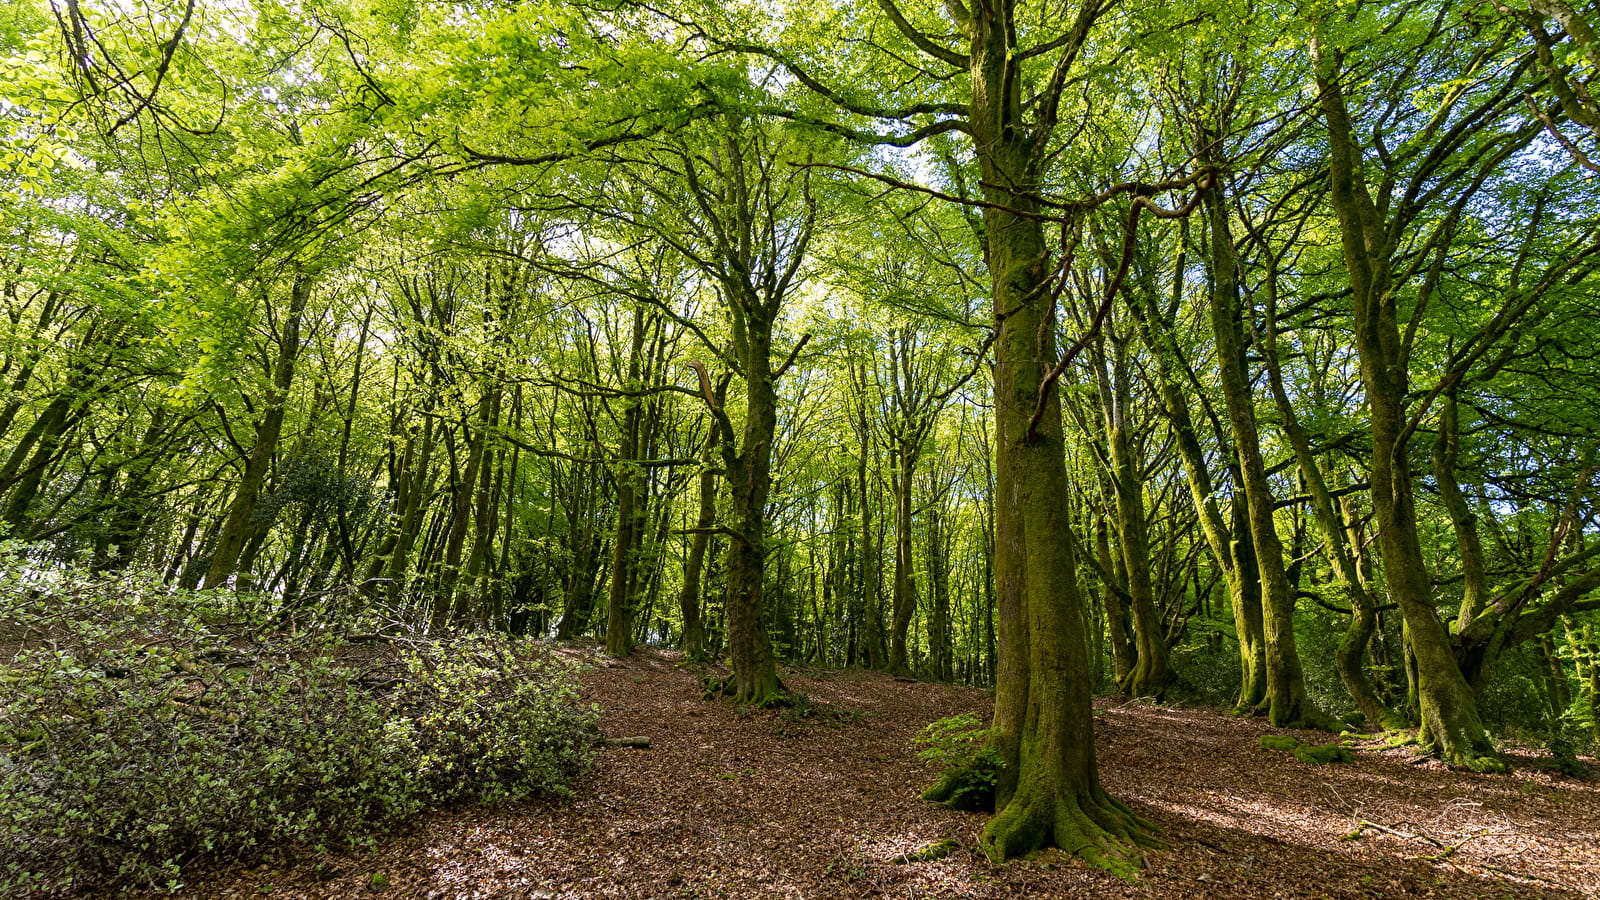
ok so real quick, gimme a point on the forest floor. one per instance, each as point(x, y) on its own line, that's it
point(745, 805)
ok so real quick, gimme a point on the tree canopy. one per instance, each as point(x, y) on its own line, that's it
point(1233, 351)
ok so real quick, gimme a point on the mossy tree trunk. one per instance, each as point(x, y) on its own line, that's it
point(241, 509)
point(941, 661)
point(1119, 622)
point(1445, 457)
point(1446, 704)
point(1244, 594)
point(1152, 670)
point(1287, 703)
point(748, 227)
point(749, 473)
point(620, 599)
point(872, 651)
point(1049, 791)
point(694, 634)
point(1227, 532)
point(904, 603)
point(1334, 522)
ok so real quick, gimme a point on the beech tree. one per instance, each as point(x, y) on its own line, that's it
point(676, 323)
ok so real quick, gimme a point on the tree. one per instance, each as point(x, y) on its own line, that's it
point(1049, 791)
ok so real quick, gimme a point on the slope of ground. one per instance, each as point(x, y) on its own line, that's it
point(725, 804)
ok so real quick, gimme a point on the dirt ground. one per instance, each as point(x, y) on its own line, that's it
point(745, 805)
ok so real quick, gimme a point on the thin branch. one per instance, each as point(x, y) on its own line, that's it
point(1130, 239)
point(922, 41)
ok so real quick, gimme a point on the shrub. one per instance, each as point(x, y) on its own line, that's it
point(137, 736)
point(960, 745)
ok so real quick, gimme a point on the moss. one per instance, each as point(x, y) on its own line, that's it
point(1488, 765)
point(1400, 737)
point(968, 788)
point(930, 852)
point(713, 687)
point(1098, 830)
point(1323, 755)
point(1311, 755)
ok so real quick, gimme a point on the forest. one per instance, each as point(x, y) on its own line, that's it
point(366, 360)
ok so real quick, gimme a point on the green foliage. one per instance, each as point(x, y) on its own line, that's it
point(134, 744)
point(1208, 669)
point(960, 744)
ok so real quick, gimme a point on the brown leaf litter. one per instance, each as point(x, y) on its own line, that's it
point(732, 804)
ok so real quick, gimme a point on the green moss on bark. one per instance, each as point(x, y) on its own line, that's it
point(1323, 755)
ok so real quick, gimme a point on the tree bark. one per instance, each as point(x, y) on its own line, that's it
point(1287, 703)
point(630, 508)
point(1152, 671)
point(1049, 791)
point(1448, 708)
point(236, 526)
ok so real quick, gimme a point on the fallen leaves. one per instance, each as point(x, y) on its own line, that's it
point(730, 805)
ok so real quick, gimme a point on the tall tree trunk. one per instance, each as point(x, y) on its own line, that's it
point(904, 602)
point(755, 669)
point(1448, 708)
point(939, 624)
point(1445, 456)
point(236, 526)
point(1287, 703)
point(1152, 669)
point(1228, 538)
point(1338, 531)
point(630, 508)
point(1119, 621)
point(1049, 791)
point(694, 636)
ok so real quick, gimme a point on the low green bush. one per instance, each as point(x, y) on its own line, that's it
point(137, 737)
point(960, 744)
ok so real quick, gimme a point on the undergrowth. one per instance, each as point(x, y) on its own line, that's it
point(960, 745)
point(140, 732)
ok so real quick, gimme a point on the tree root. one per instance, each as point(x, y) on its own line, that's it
point(1102, 832)
point(1476, 755)
point(1306, 718)
point(713, 688)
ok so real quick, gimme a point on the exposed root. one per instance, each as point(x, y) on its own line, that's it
point(1102, 832)
point(1305, 718)
point(1399, 737)
point(1463, 753)
point(713, 688)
